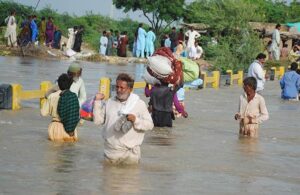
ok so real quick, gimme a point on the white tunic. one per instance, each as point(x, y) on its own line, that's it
point(11, 33)
point(71, 39)
point(103, 45)
point(275, 50)
point(192, 36)
point(119, 145)
point(255, 70)
point(78, 88)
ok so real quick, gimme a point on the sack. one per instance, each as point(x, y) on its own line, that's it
point(86, 110)
point(190, 69)
point(160, 65)
point(176, 77)
point(150, 79)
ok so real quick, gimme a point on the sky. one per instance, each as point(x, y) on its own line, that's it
point(80, 7)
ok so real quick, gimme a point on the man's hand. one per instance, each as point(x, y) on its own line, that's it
point(131, 117)
point(99, 96)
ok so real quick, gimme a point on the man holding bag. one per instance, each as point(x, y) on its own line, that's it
point(125, 118)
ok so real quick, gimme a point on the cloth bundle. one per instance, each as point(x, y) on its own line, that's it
point(164, 66)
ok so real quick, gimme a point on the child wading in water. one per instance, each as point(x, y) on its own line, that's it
point(252, 109)
point(63, 107)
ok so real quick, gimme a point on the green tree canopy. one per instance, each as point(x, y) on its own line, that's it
point(156, 11)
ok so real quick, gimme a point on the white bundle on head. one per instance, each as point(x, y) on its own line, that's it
point(160, 66)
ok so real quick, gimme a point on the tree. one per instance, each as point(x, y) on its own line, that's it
point(158, 12)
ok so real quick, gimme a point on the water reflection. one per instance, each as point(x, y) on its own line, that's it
point(121, 179)
point(161, 137)
point(248, 146)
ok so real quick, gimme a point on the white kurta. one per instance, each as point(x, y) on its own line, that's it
point(275, 50)
point(78, 88)
point(192, 36)
point(103, 45)
point(256, 109)
point(255, 70)
point(11, 31)
point(71, 39)
point(120, 147)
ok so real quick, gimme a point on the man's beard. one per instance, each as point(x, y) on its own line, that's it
point(123, 97)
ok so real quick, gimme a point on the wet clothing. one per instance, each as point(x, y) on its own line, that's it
point(290, 85)
point(150, 39)
point(161, 100)
point(294, 56)
point(255, 70)
point(119, 146)
point(141, 43)
point(56, 131)
point(256, 109)
point(11, 31)
point(68, 110)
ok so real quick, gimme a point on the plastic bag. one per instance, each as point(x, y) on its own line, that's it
point(86, 110)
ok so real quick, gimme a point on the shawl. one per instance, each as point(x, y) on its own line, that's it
point(68, 110)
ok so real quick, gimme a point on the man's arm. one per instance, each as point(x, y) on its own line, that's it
point(99, 109)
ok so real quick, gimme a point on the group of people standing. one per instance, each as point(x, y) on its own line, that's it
point(110, 43)
point(180, 43)
point(40, 33)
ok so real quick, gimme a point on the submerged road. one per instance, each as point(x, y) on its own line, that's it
point(199, 155)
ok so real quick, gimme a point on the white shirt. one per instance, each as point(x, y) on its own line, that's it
point(255, 70)
point(199, 52)
point(192, 36)
point(78, 88)
point(103, 44)
point(107, 113)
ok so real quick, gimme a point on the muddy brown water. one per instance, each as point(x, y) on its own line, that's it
point(199, 155)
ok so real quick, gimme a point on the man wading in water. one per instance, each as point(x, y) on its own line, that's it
point(125, 118)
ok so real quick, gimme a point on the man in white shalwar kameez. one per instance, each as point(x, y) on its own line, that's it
point(11, 30)
point(71, 39)
point(193, 35)
point(275, 50)
point(125, 119)
point(103, 43)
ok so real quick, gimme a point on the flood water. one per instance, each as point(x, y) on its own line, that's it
point(199, 155)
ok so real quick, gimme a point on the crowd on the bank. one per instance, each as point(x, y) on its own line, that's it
point(180, 43)
point(41, 32)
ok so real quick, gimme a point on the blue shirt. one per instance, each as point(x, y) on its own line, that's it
point(290, 85)
point(168, 42)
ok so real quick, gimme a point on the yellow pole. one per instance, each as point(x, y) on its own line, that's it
point(281, 72)
point(105, 87)
point(216, 76)
point(241, 77)
point(204, 75)
point(229, 72)
point(44, 87)
point(16, 92)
